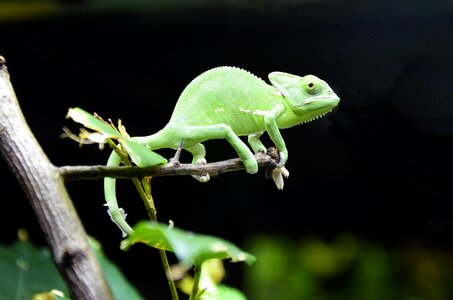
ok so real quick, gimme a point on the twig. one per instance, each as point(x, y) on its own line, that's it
point(45, 190)
point(196, 292)
point(175, 160)
point(144, 189)
point(95, 172)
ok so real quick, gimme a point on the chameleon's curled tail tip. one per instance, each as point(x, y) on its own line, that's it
point(118, 216)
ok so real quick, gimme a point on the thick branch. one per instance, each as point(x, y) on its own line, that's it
point(213, 169)
point(45, 190)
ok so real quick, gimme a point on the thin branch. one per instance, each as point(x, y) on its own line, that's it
point(45, 190)
point(213, 169)
point(196, 292)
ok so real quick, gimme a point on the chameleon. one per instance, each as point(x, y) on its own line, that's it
point(228, 102)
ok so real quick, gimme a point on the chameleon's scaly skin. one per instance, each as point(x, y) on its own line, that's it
point(227, 102)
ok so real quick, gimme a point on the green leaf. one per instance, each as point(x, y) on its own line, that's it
point(190, 248)
point(212, 273)
point(89, 121)
point(224, 292)
point(119, 285)
point(142, 156)
point(26, 270)
point(139, 154)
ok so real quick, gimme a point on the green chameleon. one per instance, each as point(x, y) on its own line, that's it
point(228, 102)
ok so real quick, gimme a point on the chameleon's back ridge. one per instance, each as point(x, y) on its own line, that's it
point(221, 95)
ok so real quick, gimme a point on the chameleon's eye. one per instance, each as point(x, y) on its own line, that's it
point(312, 87)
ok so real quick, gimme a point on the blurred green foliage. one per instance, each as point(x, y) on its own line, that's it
point(346, 268)
point(20, 10)
point(27, 271)
point(28, 9)
point(12, 10)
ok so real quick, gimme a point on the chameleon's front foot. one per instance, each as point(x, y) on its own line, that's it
point(277, 176)
point(283, 157)
point(279, 170)
point(204, 177)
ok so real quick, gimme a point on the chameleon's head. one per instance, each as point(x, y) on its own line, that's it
point(308, 97)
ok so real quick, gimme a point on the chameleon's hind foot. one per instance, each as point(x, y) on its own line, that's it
point(251, 166)
point(204, 177)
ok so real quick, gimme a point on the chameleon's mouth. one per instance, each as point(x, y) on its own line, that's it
point(319, 106)
point(326, 100)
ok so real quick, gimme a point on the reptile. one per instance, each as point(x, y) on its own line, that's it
point(228, 102)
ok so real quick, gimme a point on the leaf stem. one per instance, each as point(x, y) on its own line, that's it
point(146, 198)
point(196, 292)
point(144, 189)
point(168, 274)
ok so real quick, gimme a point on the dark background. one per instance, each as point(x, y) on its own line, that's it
point(378, 167)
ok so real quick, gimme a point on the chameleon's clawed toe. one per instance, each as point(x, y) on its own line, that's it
point(277, 176)
point(284, 172)
point(201, 161)
point(204, 177)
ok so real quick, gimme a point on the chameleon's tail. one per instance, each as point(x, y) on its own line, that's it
point(116, 214)
point(158, 140)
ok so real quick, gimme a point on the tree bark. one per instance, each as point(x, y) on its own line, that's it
point(46, 192)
